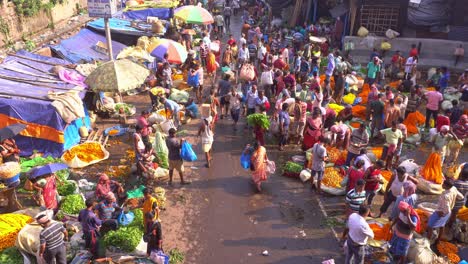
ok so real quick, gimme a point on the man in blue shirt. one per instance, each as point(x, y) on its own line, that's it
point(191, 109)
point(444, 79)
point(90, 224)
point(252, 96)
point(174, 108)
point(107, 211)
point(373, 68)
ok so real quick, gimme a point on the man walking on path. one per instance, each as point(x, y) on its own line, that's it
point(359, 233)
point(175, 160)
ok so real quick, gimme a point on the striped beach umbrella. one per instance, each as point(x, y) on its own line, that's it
point(176, 52)
point(193, 15)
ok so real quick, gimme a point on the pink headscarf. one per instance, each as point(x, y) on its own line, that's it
point(403, 206)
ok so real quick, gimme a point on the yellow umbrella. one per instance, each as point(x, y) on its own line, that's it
point(117, 76)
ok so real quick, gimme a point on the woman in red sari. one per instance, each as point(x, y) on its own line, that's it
point(49, 192)
point(313, 129)
point(259, 165)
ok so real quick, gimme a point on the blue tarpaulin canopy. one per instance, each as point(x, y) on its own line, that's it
point(79, 48)
point(122, 26)
point(25, 81)
point(161, 13)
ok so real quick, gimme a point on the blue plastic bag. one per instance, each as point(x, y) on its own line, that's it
point(193, 80)
point(126, 218)
point(159, 257)
point(245, 160)
point(187, 152)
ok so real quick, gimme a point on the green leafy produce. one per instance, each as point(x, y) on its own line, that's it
point(67, 188)
point(11, 256)
point(175, 256)
point(63, 174)
point(292, 167)
point(138, 220)
point(162, 160)
point(28, 164)
point(72, 204)
point(127, 108)
point(258, 120)
point(124, 238)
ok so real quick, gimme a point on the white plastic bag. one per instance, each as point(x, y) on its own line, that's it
point(267, 78)
point(410, 166)
point(363, 32)
point(446, 105)
point(420, 252)
point(391, 34)
point(156, 118)
point(305, 175)
point(271, 167)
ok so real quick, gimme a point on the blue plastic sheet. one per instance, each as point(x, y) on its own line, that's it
point(161, 13)
point(24, 84)
point(79, 48)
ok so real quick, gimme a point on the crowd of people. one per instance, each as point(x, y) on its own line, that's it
point(293, 77)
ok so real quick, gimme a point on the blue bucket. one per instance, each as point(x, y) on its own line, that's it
point(11, 182)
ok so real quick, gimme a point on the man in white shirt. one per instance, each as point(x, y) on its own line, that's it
point(285, 54)
point(410, 65)
point(243, 55)
point(242, 40)
point(261, 53)
point(359, 232)
point(363, 156)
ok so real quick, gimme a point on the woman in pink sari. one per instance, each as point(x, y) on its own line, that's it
point(259, 165)
point(49, 192)
point(313, 129)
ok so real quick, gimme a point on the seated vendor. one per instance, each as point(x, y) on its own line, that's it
point(105, 185)
point(191, 109)
point(108, 211)
point(345, 114)
point(9, 151)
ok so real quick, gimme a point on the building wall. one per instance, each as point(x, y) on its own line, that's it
point(434, 52)
point(30, 25)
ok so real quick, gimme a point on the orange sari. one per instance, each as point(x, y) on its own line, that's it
point(258, 160)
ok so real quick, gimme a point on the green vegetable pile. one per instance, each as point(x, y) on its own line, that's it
point(67, 188)
point(128, 108)
point(28, 164)
point(292, 167)
point(138, 220)
point(72, 204)
point(63, 174)
point(124, 238)
point(175, 256)
point(11, 256)
point(258, 120)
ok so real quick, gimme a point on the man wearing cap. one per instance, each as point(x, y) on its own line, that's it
point(51, 240)
point(206, 133)
point(142, 121)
